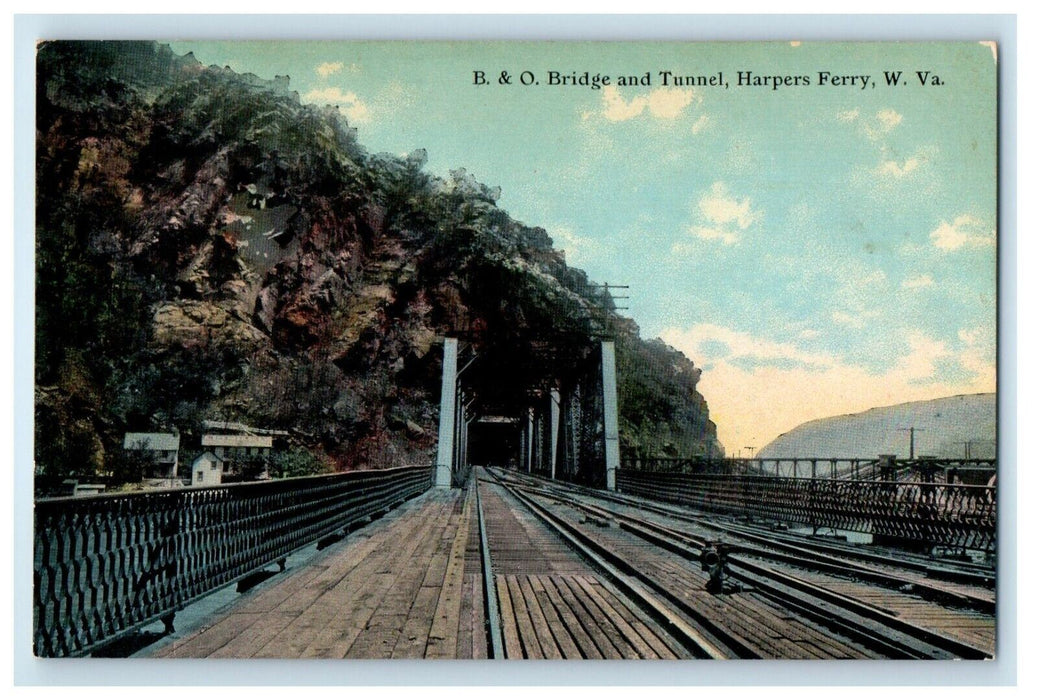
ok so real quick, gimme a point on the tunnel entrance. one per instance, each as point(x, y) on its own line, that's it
point(550, 411)
point(494, 441)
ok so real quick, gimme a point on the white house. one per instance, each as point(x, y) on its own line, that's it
point(235, 451)
point(164, 449)
point(206, 470)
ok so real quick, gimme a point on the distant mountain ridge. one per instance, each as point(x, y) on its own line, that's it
point(945, 427)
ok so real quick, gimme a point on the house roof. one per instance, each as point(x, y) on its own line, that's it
point(207, 456)
point(151, 441)
point(234, 427)
point(237, 441)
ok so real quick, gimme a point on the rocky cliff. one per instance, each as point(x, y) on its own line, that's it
point(209, 248)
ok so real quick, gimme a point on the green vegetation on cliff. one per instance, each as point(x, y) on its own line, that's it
point(209, 248)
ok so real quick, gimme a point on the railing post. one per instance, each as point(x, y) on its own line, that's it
point(445, 446)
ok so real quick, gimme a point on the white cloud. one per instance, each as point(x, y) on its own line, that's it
point(757, 388)
point(326, 69)
point(616, 109)
point(860, 297)
point(970, 336)
point(854, 320)
point(882, 124)
point(355, 109)
point(892, 168)
point(669, 103)
point(964, 231)
point(721, 208)
point(846, 319)
point(876, 126)
point(568, 240)
point(700, 124)
point(920, 362)
point(977, 356)
point(683, 250)
point(662, 103)
point(723, 217)
point(918, 282)
point(711, 233)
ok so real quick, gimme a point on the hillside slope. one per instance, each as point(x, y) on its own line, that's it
point(942, 428)
point(210, 248)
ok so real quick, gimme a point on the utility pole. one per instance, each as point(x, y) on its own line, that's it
point(966, 447)
point(608, 287)
point(911, 439)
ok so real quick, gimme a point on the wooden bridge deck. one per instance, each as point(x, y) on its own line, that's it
point(398, 588)
point(410, 585)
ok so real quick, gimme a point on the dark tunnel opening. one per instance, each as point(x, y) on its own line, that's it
point(493, 443)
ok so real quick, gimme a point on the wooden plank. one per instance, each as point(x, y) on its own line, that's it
point(651, 647)
point(464, 646)
point(316, 578)
point(216, 636)
point(601, 619)
point(567, 646)
point(260, 615)
point(509, 628)
point(267, 627)
point(415, 635)
point(443, 635)
point(360, 598)
point(335, 639)
point(569, 618)
point(540, 625)
point(379, 637)
point(588, 620)
point(477, 619)
point(531, 645)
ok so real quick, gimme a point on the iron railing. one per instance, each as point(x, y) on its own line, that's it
point(951, 515)
point(853, 468)
point(107, 565)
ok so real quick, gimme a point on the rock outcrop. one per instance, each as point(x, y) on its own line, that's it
point(208, 247)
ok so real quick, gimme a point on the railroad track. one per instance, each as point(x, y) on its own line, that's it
point(869, 629)
point(841, 562)
point(974, 578)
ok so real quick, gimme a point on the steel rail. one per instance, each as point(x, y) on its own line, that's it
point(973, 574)
point(636, 586)
point(902, 642)
point(805, 558)
point(490, 604)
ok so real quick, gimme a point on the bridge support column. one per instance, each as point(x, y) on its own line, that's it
point(445, 444)
point(556, 408)
point(609, 413)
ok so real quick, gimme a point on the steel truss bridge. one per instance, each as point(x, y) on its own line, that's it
point(105, 566)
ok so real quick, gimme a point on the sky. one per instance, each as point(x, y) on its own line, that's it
point(818, 240)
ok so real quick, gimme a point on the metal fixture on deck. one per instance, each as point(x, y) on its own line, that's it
point(714, 560)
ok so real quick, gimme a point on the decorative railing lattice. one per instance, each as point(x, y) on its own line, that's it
point(952, 515)
point(107, 565)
